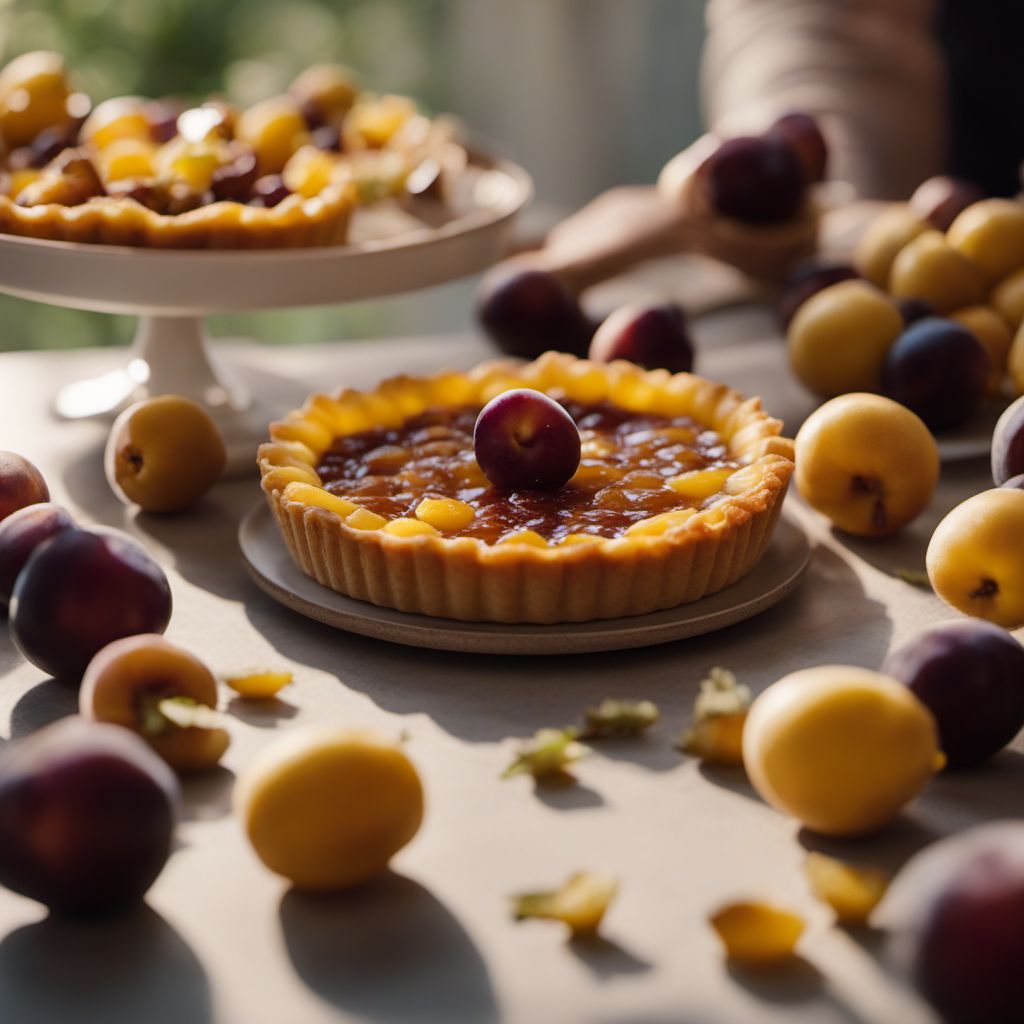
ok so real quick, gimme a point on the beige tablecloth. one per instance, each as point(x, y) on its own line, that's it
point(223, 940)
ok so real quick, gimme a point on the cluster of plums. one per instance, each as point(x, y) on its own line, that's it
point(113, 802)
point(925, 313)
point(70, 590)
point(756, 179)
point(763, 179)
point(89, 805)
point(876, 737)
point(525, 440)
point(846, 335)
point(527, 312)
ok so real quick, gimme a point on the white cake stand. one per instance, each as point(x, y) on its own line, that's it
point(171, 291)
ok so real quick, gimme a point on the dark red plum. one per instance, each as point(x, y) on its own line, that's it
point(1008, 444)
point(808, 279)
point(804, 135)
point(21, 484)
point(941, 199)
point(527, 312)
point(960, 903)
point(81, 590)
point(526, 441)
point(758, 180)
point(653, 336)
point(913, 310)
point(20, 534)
point(970, 675)
point(939, 370)
point(163, 117)
point(87, 817)
point(234, 181)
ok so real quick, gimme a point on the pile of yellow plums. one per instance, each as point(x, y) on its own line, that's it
point(930, 318)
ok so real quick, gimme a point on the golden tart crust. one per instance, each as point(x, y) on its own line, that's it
point(293, 223)
point(670, 559)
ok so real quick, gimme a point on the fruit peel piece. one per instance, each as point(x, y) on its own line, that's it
point(757, 934)
point(260, 684)
point(581, 903)
point(720, 712)
point(182, 712)
point(852, 891)
point(619, 718)
point(548, 754)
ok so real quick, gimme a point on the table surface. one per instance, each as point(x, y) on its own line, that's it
point(221, 939)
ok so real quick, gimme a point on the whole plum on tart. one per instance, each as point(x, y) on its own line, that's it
point(159, 173)
point(379, 495)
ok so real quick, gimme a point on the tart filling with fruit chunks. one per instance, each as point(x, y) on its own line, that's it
point(287, 172)
point(666, 489)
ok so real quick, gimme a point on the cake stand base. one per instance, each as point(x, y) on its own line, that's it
point(171, 356)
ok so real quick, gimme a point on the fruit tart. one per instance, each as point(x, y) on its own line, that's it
point(286, 172)
point(663, 489)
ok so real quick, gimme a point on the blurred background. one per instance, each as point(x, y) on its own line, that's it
point(584, 93)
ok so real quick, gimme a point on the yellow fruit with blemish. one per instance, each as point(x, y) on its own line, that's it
point(125, 683)
point(164, 454)
point(866, 462)
point(974, 557)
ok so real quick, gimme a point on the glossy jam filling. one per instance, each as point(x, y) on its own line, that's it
point(628, 460)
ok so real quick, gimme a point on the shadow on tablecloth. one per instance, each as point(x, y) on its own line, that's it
point(485, 698)
point(387, 951)
point(125, 970)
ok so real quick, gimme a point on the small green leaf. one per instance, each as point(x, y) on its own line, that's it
point(548, 754)
point(153, 722)
point(619, 718)
point(718, 715)
point(581, 902)
point(186, 713)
